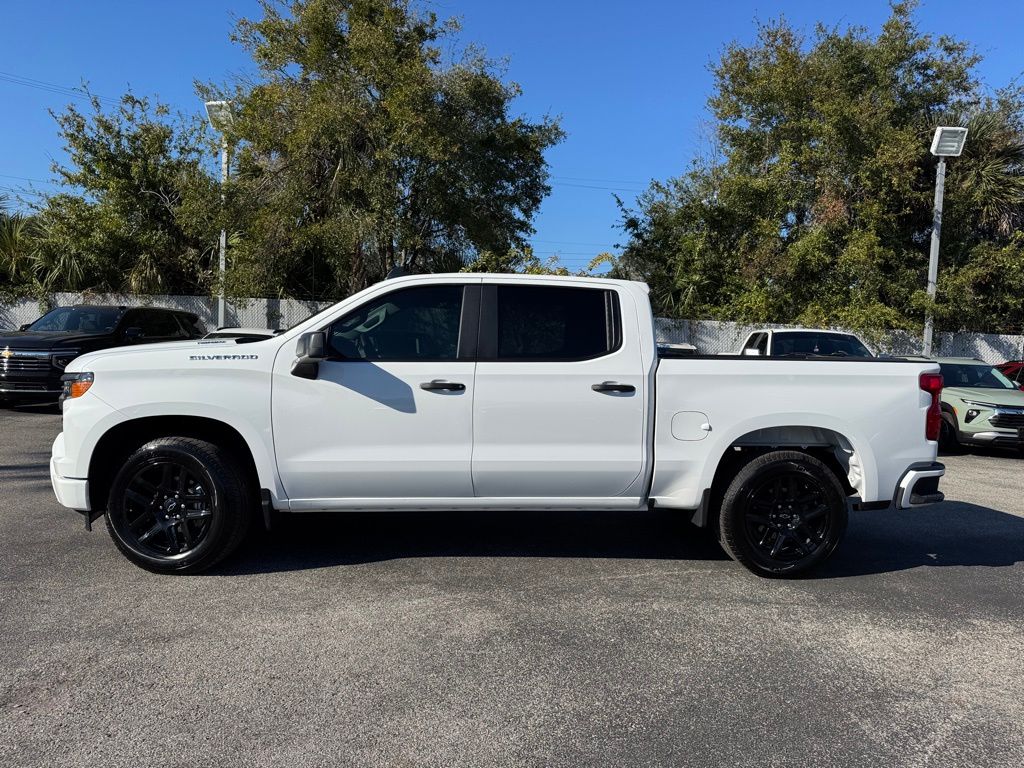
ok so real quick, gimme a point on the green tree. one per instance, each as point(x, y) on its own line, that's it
point(18, 249)
point(140, 209)
point(814, 204)
point(360, 147)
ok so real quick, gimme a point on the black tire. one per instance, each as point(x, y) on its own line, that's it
point(949, 441)
point(179, 505)
point(783, 513)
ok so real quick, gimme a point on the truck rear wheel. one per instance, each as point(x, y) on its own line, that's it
point(783, 513)
point(178, 505)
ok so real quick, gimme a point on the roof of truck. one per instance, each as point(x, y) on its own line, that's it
point(516, 276)
point(805, 330)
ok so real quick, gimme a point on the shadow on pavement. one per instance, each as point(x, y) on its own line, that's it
point(305, 541)
point(951, 533)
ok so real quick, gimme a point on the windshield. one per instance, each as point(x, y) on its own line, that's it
point(78, 320)
point(979, 376)
point(834, 344)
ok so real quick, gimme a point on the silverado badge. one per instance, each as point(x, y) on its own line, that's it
point(7, 354)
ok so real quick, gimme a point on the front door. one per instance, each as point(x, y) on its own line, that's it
point(560, 396)
point(390, 414)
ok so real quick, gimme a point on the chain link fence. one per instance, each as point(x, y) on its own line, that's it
point(249, 313)
point(710, 337)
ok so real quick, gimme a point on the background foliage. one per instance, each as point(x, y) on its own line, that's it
point(359, 146)
point(814, 203)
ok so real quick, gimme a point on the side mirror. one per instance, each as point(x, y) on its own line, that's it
point(309, 351)
point(132, 334)
point(751, 352)
point(24, 326)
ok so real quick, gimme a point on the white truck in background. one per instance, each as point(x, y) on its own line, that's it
point(488, 392)
point(799, 342)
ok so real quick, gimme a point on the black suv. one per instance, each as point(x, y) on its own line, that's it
point(33, 359)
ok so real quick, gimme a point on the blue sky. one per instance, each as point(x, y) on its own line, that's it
point(629, 79)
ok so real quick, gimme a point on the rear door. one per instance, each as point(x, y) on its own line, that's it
point(560, 394)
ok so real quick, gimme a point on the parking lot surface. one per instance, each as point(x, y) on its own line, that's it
point(493, 639)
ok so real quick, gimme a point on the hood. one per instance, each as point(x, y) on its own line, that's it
point(1013, 397)
point(36, 340)
point(210, 346)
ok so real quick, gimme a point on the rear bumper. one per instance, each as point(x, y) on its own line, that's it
point(920, 485)
point(70, 492)
point(1009, 438)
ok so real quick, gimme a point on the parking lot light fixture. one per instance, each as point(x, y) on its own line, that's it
point(948, 141)
point(222, 120)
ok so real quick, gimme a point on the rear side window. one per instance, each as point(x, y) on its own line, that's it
point(192, 326)
point(159, 325)
point(758, 341)
point(555, 323)
point(409, 324)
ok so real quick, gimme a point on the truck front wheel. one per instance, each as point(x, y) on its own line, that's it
point(178, 505)
point(784, 512)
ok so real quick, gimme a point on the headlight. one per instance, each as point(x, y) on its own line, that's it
point(978, 404)
point(62, 359)
point(75, 385)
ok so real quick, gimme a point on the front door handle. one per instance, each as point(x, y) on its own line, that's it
point(613, 386)
point(441, 385)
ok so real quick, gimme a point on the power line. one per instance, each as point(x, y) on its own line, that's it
point(42, 85)
point(602, 181)
point(571, 242)
point(15, 191)
point(25, 178)
point(593, 186)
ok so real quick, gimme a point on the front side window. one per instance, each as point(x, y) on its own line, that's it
point(967, 375)
point(555, 323)
point(78, 320)
point(410, 324)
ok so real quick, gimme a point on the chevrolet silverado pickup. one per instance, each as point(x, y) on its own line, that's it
point(487, 392)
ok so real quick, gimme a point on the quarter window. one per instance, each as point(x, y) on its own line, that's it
point(409, 324)
point(159, 325)
point(555, 323)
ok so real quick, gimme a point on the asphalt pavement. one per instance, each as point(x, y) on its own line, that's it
point(494, 639)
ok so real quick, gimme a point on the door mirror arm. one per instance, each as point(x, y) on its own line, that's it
point(310, 350)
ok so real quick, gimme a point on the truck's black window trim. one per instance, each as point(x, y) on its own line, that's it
point(487, 347)
point(469, 324)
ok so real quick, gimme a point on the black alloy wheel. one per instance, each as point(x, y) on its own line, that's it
point(180, 505)
point(168, 509)
point(786, 519)
point(783, 513)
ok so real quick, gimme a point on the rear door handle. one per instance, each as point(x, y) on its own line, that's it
point(612, 386)
point(441, 385)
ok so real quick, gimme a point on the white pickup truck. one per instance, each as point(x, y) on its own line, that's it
point(488, 392)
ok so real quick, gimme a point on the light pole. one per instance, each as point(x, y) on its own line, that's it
point(947, 142)
point(219, 113)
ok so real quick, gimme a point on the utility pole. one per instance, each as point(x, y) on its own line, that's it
point(947, 142)
point(933, 256)
point(222, 119)
point(221, 303)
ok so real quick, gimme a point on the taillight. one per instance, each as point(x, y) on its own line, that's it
point(932, 384)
